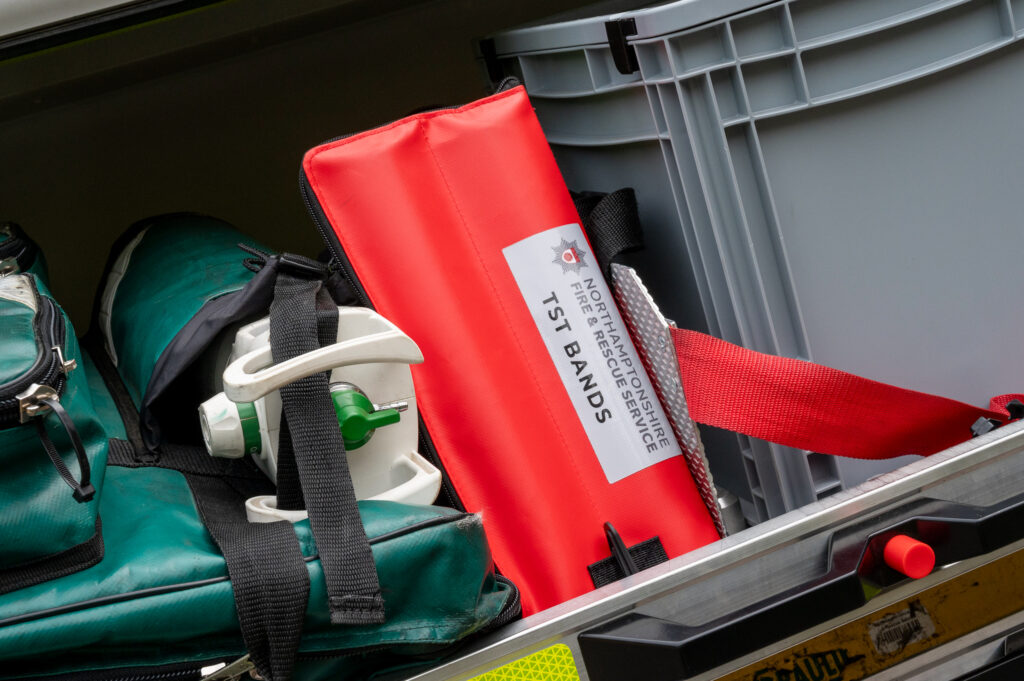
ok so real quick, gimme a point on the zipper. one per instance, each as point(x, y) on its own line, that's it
point(448, 495)
point(513, 609)
point(49, 369)
point(237, 668)
point(232, 669)
point(171, 672)
point(323, 227)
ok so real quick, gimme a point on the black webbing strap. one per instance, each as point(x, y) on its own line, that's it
point(265, 563)
point(303, 316)
point(267, 570)
point(289, 487)
point(187, 459)
point(48, 568)
point(611, 222)
point(644, 555)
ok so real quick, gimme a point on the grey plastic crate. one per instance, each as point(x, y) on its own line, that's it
point(836, 180)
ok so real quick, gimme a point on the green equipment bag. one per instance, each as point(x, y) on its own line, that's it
point(174, 286)
point(175, 290)
point(53, 448)
point(160, 604)
point(18, 253)
point(188, 585)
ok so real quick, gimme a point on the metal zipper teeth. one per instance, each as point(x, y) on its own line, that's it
point(345, 267)
point(177, 673)
point(510, 612)
point(47, 370)
point(513, 609)
point(166, 676)
point(174, 672)
point(428, 450)
point(323, 227)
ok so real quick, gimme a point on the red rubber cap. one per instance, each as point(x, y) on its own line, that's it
point(908, 556)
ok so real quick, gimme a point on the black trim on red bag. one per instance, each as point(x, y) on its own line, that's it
point(449, 496)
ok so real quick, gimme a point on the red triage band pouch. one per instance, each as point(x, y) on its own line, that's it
point(457, 226)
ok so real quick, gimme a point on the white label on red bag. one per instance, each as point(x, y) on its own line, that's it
point(590, 347)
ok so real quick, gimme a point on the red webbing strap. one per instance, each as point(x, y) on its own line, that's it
point(809, 406)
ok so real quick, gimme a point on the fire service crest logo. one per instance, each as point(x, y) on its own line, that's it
point(569, 256)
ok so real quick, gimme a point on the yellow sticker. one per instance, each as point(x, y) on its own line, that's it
point(879, 640)
point(551, 664)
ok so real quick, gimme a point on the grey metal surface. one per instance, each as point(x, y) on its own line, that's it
point(814, 180)
point(760, 562)
point(653, 341)
point(23, 15)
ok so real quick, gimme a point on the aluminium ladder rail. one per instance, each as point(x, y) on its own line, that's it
point(710, 614)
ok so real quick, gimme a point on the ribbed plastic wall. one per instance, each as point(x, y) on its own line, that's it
point(836, 180)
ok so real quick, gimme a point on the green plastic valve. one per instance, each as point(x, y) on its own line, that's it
point(357, 419)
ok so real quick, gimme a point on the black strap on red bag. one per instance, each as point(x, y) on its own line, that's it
point(611, 223)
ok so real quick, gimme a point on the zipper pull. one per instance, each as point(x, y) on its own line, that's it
point(39, 400)
point(66, 366)
point(30, 401)
point(8, 266)
point(230, 672)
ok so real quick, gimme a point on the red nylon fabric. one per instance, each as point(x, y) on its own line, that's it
point(809, 406)
point(423, 208)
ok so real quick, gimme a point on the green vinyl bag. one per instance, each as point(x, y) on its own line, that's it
point(19, 253)
point(53, 447)
point(174, 285)
point(160, 606)
point(190, 582)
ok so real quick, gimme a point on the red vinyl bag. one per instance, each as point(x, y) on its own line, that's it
point(456, 225)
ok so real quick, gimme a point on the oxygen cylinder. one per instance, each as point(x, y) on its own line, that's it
point(373, 396)
point(183, 316)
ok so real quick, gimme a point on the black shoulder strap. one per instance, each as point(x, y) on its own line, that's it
point(302, 317)
point(268, 572)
